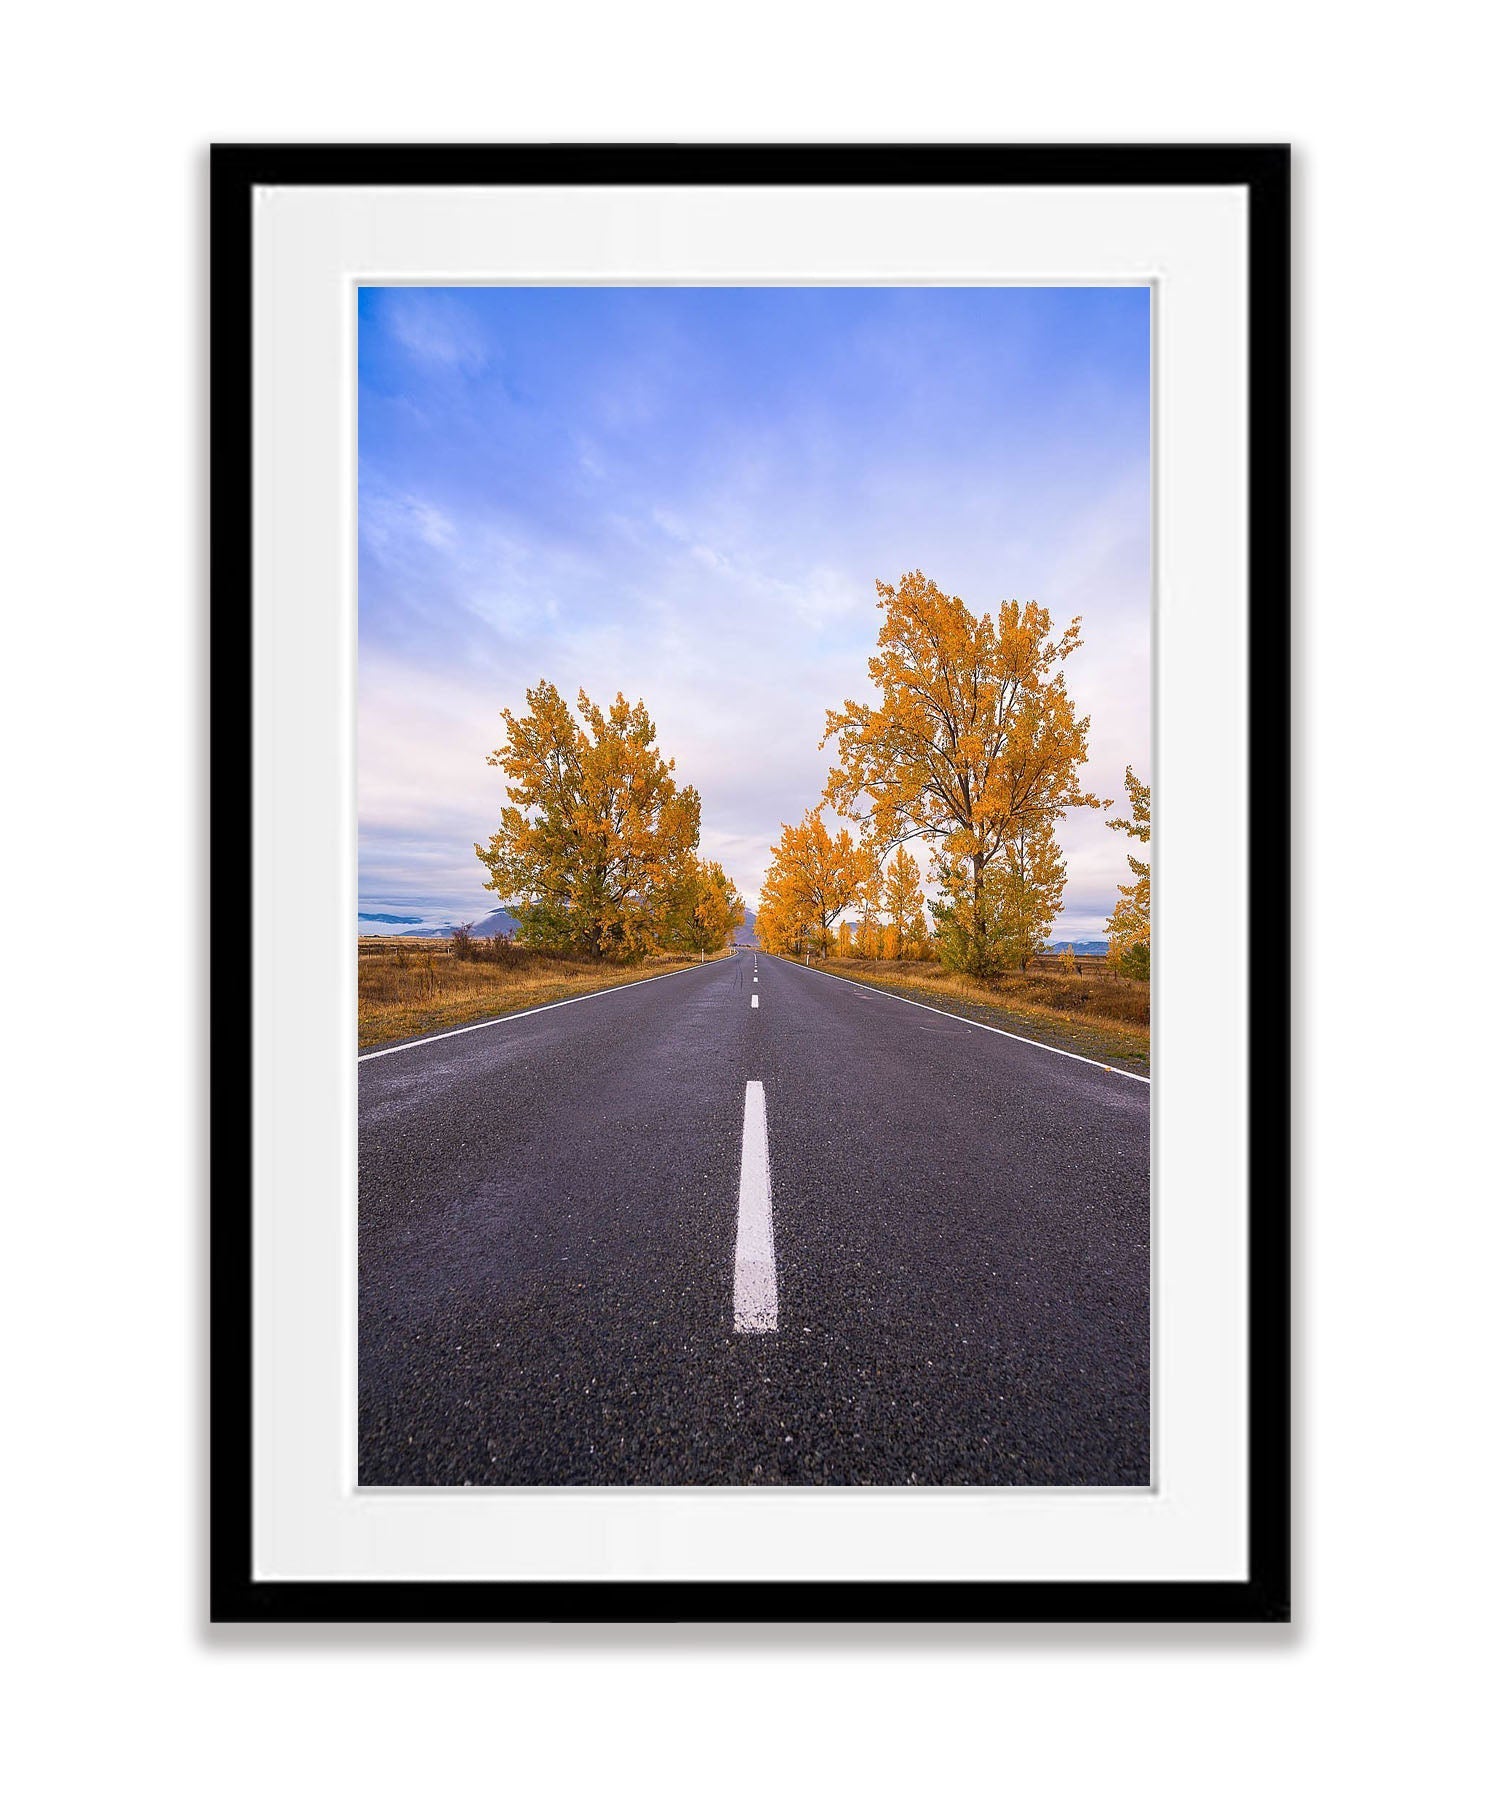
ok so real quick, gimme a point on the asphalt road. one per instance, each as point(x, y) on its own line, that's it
point(560, 1223)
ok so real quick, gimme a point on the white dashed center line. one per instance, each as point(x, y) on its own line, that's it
point(755, 1248)
point(755, 999)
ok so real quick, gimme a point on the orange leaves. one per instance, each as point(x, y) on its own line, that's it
point(1139, 823)
point(974, 741)
point(903, 898)
point(974, 733)
point(705, 910)
point(1129, 925)
point(597, 833)
point(812, 878)
point(1032, 879)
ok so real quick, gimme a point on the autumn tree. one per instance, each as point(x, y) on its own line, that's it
point(1129, 925)
point(966, 915)
point(783, 926)
point(1018, 898)
point(721, 912)
point(705, 909)
point(973, 738)
point(813, 877)
point(903, 897)
point(597, 835)
point(869, 897)
point(1032, 879)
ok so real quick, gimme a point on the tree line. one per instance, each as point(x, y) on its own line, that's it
point(597, 852)
point(973, 747)
point(815, 877)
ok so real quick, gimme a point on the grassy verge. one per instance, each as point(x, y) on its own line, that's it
point(1102, 1016)
point(408, 988)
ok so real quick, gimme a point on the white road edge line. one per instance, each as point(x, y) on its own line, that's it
point(1015, 1036)
point(755, 1246)
point(530, 1012)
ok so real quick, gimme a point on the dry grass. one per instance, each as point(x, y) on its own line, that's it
point(409, 987)
point(1092, 1012)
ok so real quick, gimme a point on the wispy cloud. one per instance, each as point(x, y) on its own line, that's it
point(688, 496)
point(438, 328)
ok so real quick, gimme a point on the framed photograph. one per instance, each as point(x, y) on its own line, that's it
point(754, 1083)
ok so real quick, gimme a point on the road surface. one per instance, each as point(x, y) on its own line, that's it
point(748, 1223)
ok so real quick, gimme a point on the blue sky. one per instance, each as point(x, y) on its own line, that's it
point(688, 494)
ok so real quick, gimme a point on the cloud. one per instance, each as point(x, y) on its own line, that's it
point(697, 516)
point(391, 524)
point(436, 328)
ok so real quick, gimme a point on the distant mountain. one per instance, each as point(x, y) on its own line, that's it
point(502, 923)
point(498, 923)
point(1079, 947)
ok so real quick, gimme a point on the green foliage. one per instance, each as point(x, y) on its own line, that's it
point(966, 920)
point(704, 910)
point(1001, 920)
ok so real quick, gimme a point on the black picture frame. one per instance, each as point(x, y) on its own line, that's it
point(1263, 172)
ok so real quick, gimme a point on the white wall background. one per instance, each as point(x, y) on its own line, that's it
point(1378, 1688)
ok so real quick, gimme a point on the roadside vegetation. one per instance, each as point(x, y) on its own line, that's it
point(597, 853)
point(596, 857)
point(409, 987)
point(972, 748)
point(1091, 1010)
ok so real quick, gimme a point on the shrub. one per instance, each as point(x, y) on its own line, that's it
point(1136, 962)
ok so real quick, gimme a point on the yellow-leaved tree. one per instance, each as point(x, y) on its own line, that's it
point(705, 910)
point(869, 896)
point(1032, 878)
point(813, 877)
point(782, 924)
point(598, 836)
point(1129, 925)
point(973, 739)
point(903, 898)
